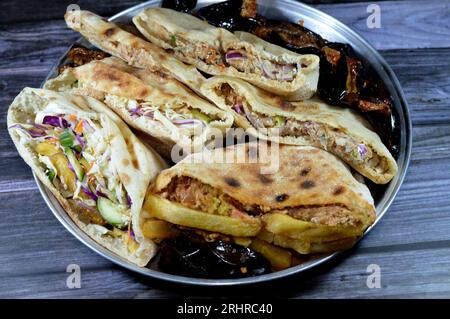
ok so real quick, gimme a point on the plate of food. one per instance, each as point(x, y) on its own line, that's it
point(216, 143)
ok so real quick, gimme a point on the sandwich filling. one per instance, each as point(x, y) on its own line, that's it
point(194, 194)
point(320, 135)
point(240, 59)
point(175, 115)
point(76, 156)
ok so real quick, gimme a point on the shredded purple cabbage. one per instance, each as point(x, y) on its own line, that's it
point(100, 194)
point(55, 121)
point(89, 193)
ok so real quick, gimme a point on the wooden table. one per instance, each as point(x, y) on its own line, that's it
point(411, 244)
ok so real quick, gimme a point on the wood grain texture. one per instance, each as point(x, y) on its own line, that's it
point(404, 24)
point(410, 244)
point(31, 10)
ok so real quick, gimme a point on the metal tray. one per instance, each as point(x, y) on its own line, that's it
point(330, 29)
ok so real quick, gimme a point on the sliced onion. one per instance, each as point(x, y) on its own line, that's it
point(362, 150)
point(252, 119)
point(84, 205)
point(72, 169)
point(87, 127)
point(129, 201)
point(149, 114)
point(187, 122)
point(234, 55)
point(80, 141)
point(239, 108)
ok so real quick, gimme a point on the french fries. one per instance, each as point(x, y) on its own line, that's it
point(166, 210)
point(278, 257)
point(282, 224)
point(158, 229)
point(332, 246)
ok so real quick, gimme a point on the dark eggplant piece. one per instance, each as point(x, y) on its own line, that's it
point(179, 5)
point(188, 256)
point(345, 78)
point(79, 55)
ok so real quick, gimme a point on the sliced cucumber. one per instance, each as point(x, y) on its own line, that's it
point(200, 116)
point(75, 164)
point(112, 212)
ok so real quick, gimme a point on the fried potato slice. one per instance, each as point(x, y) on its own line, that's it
point(175, 213)
point(286, 225)
point(158, 229)
point(278, 257)
point(305, 247)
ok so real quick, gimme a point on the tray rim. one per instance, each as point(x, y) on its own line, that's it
point(386, 201)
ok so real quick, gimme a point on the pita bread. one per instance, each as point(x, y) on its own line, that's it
point(242, 55)
point(124, 89)
point(134, 164)
point(338, 130)
point(137, 52)
point(311, 200)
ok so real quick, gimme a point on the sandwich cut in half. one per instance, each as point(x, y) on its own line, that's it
point(151, 102)
point(219, 51)
point(312, 122)
point(310, 204)
point(91, 162)
point(136, 51)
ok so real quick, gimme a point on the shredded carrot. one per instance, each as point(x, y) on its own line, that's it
point(79, 127)
point(73, 117)
point(129, 233)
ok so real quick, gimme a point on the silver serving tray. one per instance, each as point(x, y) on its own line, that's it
point(330, 29)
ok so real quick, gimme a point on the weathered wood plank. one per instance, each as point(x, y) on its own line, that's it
point(412, 232)
point(31, 10)
point(404, 24)
point(410, 243)
point(37, 267)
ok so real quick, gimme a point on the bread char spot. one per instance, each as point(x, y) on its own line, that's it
point(281, 198)
point(308, 184)
point(144, 92)
point(265, 179)
point(339, 190)
point(109, 32)
point(305, 171)
point(232, 182)
point(135, 163)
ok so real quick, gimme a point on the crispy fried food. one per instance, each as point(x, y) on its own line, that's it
point(249, 9)
point(159, 229)
point(285, 225)
point(278, 257)
point(177, 214)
